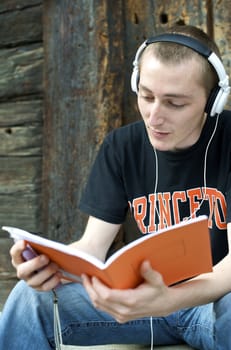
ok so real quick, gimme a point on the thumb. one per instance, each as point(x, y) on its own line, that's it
point(151, 276)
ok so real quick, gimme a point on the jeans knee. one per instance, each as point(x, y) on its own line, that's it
point(222, 307)
point(222, 313)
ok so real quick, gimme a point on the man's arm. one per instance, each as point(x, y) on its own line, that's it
point(42, 274)
point(97, 238)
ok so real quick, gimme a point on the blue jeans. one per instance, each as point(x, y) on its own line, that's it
point(27, 323)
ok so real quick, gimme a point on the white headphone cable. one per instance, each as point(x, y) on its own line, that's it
point(152, 336)
point(204, 172)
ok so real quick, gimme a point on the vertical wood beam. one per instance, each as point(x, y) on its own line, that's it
point(83, 81)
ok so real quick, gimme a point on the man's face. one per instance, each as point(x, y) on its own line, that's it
point(171, 100)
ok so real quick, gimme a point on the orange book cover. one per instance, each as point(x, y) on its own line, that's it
point(178, 252)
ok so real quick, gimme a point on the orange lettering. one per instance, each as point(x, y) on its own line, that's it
point(220, 211)
point(193, 203)
point(164, 210)
point(140, 212)
point(176, 197)
point(152, 213)
point(217, 207)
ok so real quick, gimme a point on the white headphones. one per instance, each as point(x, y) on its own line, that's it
point(219, 95)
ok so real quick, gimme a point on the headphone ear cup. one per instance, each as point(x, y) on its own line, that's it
point(211, 99)
point(220, 101)
point(135, 78)
point(216, 101)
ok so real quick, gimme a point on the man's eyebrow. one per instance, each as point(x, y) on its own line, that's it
point(167, 95)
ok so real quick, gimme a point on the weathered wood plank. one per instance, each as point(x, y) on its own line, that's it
point(9, 5)
point(21, 128)
point(21, 113)
point(20, 192)
point(20, 174)
point(21, 71)
point(21, 140)
point(21, 210)
point(6, 268)
point(21, 26)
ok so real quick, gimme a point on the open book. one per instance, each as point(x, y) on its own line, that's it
point(178, 252)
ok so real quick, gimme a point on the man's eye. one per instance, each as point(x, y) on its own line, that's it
point(176, 105)
point(147, 98)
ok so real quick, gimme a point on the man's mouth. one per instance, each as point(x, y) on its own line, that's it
point(158, 133)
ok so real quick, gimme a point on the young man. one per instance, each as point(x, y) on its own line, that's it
point(178, 157)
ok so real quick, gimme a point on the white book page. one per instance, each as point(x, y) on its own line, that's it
point(19, 234)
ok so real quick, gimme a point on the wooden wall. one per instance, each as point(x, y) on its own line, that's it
point(21, 123)
point(21, 112)
point(65, 71)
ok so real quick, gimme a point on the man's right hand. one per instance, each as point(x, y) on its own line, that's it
point(39, 273)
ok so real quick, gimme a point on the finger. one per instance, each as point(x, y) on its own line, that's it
point(113, 301)
point(151, 276)
point(113, 297)
point(45, 278)
point(118, 303)
point(26, 269)
point(16, 253)
point(87, 283)
point(102, 290)
point(52, 283)
point(92, 286)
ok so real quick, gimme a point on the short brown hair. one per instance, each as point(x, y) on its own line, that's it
point(171, 52)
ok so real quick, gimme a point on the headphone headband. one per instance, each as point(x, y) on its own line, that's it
point(219, 95)
point(182, 40)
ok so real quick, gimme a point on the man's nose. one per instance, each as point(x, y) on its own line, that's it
point(156, 114)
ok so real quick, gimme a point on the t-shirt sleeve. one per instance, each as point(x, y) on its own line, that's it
point(104, 196)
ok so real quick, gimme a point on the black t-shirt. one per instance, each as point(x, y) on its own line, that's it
point(191, 182)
